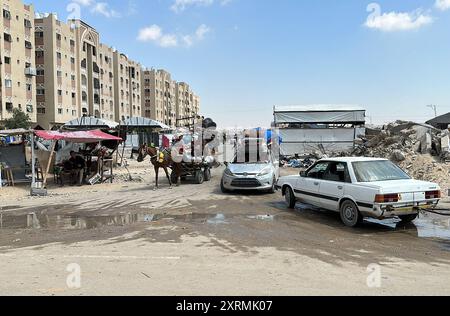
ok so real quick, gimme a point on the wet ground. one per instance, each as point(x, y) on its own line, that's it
point(237, 230)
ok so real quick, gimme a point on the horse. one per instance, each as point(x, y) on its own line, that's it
point(166, 163)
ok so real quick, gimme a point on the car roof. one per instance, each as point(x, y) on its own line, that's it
point(353, 159)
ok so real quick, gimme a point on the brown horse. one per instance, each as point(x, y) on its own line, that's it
point(167, 162)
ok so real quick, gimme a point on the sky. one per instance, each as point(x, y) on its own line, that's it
point(242, 57)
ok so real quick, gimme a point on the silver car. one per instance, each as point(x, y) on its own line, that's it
point(261, 175)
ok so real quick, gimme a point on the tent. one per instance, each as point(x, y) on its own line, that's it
point(87, 123)
point(143, 122)
point(77, 137)
point(81, 137)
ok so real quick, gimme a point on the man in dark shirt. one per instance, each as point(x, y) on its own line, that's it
point(78, 164)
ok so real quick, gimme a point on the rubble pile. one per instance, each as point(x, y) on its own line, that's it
point(419, 149)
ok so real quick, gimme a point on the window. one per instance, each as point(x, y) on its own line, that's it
point(59, 73)
point(28, 45)
point(29, 87)
point(60, 92)
point(40, 72)
point(60, 111)
point(73, 95)
point(58, 37)
point(27, 24)
point(73, 77)
point(72, 43)
point(39, 54)
point(58, 55)
point(7, 60)
point(40, 91)
point(40, 110)
point(8, 83)
point(29, 108)
point(6, 14)
point(318, 170)
point(7, 37)
point(378, 170)
point(337, 172)
point(9, 106)
point(39, 35)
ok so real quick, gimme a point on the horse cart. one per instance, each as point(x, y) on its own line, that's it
point(198, 168)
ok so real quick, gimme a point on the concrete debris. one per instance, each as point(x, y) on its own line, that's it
point(419, 149)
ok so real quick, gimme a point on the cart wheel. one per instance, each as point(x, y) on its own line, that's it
point(207, 174)
point(199, 177)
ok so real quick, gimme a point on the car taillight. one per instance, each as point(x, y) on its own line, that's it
point(432, 195)
point(387, 198)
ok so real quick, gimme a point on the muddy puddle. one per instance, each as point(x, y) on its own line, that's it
point(79, 222)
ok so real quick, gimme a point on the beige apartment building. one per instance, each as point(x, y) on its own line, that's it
point(107, 95)
point(17, 68)
point(57, 71)
point(127, 86)
point(159, 91)
point(57, 86)
point(87, 42)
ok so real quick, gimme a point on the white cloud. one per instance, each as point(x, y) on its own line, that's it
point(155, 34)
point(442, 5)
point(103, 8)
point(398, 21)
point(84, 3)
point(198, 36)
point(181, 5)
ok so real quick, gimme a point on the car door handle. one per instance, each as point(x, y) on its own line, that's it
point(340, 187)
point(316, 183)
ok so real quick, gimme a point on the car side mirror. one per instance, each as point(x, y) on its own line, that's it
point(226, 163)
point(303, 174)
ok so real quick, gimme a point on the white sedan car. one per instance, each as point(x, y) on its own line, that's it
point(360, 187)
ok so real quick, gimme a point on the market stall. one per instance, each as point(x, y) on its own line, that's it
point(100, 154)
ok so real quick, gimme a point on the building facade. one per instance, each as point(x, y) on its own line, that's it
point(17, 68)
point(160, 96)
point(107, 91)
point(57, 86)
point(56, 72)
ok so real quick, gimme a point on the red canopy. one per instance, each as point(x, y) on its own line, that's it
point(77, 137)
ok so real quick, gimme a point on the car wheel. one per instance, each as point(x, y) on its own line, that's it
point(199, 177)
point(408, 218)
point(222, 187)
point(350, 214)
point(289, 198)
point(207, 174)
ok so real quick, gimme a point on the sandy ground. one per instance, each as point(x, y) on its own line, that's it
point(127, 239)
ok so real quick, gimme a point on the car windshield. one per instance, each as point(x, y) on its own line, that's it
point(375, 171)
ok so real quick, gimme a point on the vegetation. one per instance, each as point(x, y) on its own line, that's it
point(19, 119)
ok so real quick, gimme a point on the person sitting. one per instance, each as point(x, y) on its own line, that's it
point(77, 168)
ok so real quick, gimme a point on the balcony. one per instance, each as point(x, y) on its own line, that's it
point(29, 71)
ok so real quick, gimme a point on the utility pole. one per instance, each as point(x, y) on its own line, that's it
point(433, 107)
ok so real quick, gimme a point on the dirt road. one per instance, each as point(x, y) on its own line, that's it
point(126, 239)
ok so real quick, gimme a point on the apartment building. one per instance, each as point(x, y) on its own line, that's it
point(17, 67)
point(107, 91)
point(57, 86)
point(159, 102)
point(127, 86)
point(87, 42)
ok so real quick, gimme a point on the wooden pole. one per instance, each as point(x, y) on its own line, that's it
point(33, 162)
point(47, 170)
